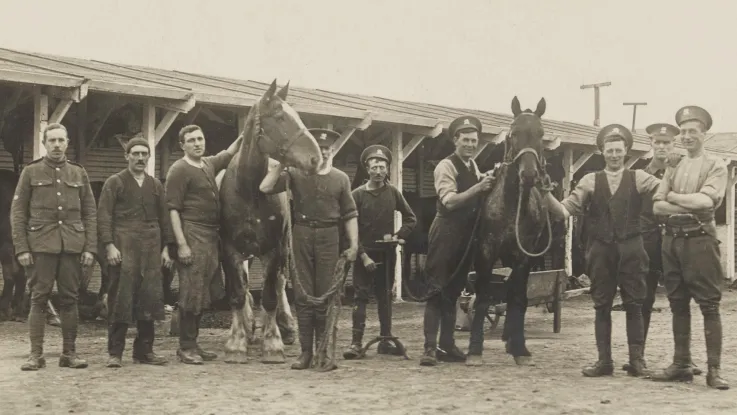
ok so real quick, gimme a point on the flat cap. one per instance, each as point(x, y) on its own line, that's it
point(376, 151)
point(662, 130)
point(324, 137)
point(464, 123)
point(614, 130)
point(136, 141)
point(693, 113)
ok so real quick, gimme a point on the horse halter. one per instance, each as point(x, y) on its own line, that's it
point(278, 152)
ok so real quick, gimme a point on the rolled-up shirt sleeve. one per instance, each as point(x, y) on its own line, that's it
point(645, 182)
point(664, 186)
point(348, 208)
point(445, 180)
point(579, 197)
point(716, 181)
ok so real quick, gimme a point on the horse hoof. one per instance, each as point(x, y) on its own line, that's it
point(273, 358)
point(287, 337)
point(524, 361)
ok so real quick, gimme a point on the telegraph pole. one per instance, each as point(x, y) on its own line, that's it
point(634, 111)
point(596, 87)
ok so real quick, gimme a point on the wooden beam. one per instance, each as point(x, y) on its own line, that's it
point(164, 124)
point(148, 127)
point(177, 105)
point(634, 156)
point(61, 110)
point(210, 114)
point(567, 177)
point(580, 162)
point(361, 125)
point(411, 146)
point(100, 117)
point(192, 115)
point(40, 121)
point(75, 94)
point(729, 202)
point(397, 180)
point(81, 138)
point(480, 149)
point(35, 78)
point(122, 88)
point(499, 138)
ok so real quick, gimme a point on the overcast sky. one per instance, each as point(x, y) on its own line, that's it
point(472, 53)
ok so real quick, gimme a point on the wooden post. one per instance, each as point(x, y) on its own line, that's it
point(634, 111)
point(597, 120)
point(567, 177)
point(81, 139)
point(730, 212)
point(148, 127)
point(396, 180)
point(164, 156)
point(40, 121)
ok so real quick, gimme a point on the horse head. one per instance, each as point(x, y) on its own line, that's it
point(284, 136)
point(525, 142)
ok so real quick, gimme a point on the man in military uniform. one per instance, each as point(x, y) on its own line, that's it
point(322, 203)
point(193, 201)
point(133, 225)
point(55, 235)
point(615, 254)
point(688, 195)
point(376, 202)
point(460, 188)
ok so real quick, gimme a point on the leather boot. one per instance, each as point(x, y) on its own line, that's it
point(603, 331)
point(637, 365)
point(69, 358)
point(713, 336)
point(636, 340)
point(714, 380)
point(189, 357)
point(431, 325)
point(114, 362)
point(324, 360)
point(305, 327)
point(429, 357)
point(36, 326)
point(680, 369)
point(33, 363)
point(359, 323)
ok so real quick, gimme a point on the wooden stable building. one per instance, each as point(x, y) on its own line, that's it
point(102, 104)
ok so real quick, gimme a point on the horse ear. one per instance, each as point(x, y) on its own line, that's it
point(270, 92)
point(516, 110)
point(540, 110)
point(283, 92)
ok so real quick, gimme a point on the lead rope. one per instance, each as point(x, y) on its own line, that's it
point(332, 296)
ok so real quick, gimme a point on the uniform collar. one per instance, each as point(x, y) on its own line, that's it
point(54, 163)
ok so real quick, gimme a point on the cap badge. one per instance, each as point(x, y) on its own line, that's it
point(686, 111)
point(323, 136)
point(379, 152)
point(615, 130)
point(663, 130)
point(466, 121)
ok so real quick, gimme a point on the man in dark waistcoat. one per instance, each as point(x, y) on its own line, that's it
point(615, 254)
point(460, 188)
point(688, 195)
point(193, 201)
point(55, 235)
point(322, 203)
point(376, 201)
point(133, 226)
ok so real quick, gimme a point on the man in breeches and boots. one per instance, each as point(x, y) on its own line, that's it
point(615, 253)
point(376, 202)
point(688, 195)
point(460, 189)
point(54, 228)
point(322, 203)
point(193, 201)
point(662, 141)
point(133, 226)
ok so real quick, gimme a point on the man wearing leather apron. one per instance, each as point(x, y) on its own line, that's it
point(688, 195)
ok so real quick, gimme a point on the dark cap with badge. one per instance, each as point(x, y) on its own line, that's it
point(614, 130)
point(693, 113)
point(323, 136)
point(464, 123)
point(376, 151)
point(662, 130)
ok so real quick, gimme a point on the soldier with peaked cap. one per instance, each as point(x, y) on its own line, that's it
point(376, 201)
point(612, 200)
point(688, 196)
point(134, 231)
point(54, 226)
point(322, 203)
point(460, 188)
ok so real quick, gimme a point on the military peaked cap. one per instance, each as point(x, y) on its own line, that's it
point(376, 151)
point(691, 113)
point(323, 136)
point(464, 123)
point(662, 130)
point(614, 130)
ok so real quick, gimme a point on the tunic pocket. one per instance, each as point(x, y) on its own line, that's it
point(72, 190)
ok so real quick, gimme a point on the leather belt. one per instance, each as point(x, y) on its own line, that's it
point(316, 224)
point(687, 231)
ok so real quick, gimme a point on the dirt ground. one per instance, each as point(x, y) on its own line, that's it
point(377, 384)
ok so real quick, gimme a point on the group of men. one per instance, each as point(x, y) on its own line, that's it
point(140, 225)
point(641, 223)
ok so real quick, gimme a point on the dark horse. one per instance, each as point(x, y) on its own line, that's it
point(512, 226)
point(253, 224)
point(12, 300)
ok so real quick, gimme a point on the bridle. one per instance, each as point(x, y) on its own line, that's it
point(267, 145)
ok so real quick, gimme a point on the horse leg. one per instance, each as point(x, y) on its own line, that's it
point(516, 310)
point(486, 257)
point(284, 317)
point(272, 347)
point(167, 277)
point(241, 328)
point(6, 305)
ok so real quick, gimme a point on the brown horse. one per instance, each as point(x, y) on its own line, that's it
point(253, 224)
point(13, 298)
point(514, 227)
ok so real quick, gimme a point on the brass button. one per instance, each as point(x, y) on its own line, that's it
point(57, 169)
point(58, 193)
point(58, 181)
point(60, 222)
point(60, 208)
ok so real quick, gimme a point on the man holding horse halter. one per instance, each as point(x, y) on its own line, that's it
point(460, 188)
point(322, 202)
point(688, 195)
point(193, 201)
point(376, 202)
point(615, 254)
